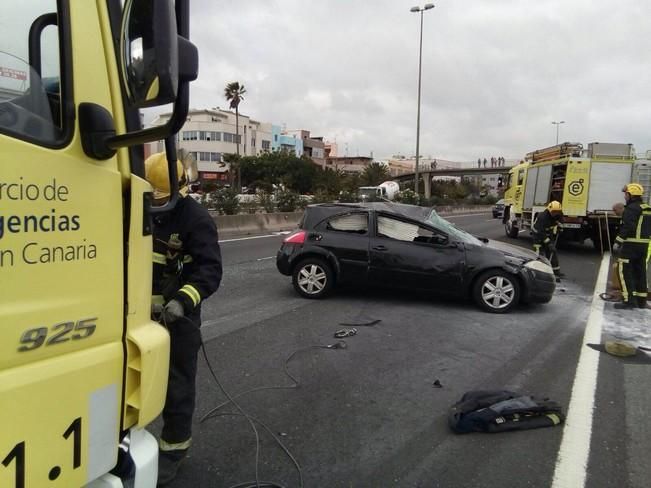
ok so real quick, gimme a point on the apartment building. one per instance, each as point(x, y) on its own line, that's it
point(209, 134)
point(313, 147)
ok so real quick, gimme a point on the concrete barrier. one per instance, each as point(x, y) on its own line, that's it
point(247, 224)
point(252, 224)
point(451, 209)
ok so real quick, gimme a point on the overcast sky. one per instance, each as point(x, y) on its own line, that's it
point(496, 73)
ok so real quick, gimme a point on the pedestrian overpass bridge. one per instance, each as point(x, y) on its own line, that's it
point(427, 175)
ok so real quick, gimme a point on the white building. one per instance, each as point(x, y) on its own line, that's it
point(209, 134)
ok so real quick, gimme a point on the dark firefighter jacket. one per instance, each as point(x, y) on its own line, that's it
point(636, 223)
point(545, 228)
point(187, 260)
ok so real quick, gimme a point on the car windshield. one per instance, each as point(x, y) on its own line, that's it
point(440, 223)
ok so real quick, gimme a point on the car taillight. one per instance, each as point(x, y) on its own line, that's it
point(296, 238)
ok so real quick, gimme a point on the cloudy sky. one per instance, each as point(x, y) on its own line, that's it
point(496, 73)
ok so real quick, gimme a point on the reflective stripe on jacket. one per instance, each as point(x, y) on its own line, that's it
point(636, 223)
point(545, 228)
point(195, 272)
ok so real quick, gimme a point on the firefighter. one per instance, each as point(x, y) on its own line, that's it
point(545, 235)
point(187, 270)
point(632, 248)
point(614, 293)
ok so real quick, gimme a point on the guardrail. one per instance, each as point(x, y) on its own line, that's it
point(250, 224)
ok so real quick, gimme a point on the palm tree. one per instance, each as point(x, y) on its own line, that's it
point(234, 94)
point(375, 173)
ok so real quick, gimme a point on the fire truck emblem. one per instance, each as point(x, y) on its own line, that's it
point(576, 188)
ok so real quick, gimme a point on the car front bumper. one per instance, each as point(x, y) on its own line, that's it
point(539, 287)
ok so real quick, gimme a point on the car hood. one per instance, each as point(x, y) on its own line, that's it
point(511, 250)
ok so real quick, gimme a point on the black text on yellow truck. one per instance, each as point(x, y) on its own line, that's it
point(83, 369)
point(587, 182)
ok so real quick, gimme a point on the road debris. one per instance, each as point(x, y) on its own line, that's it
point(501, 410)
point(363, 322)
point(625, 351)
point(345, 333)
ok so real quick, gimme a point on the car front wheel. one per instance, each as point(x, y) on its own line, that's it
point(313, 278)
point(511, 229)
point(496, 291)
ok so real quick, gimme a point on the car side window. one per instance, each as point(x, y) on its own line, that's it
point(356, 223)
point(404, 231)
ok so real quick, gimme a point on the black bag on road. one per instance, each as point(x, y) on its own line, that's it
point(501, 411)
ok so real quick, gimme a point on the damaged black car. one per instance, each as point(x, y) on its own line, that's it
point(406, 246)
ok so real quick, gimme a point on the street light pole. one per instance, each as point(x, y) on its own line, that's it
point(557, 124)
point(420, 67)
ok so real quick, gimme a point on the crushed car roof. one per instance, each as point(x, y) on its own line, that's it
point(317, 212)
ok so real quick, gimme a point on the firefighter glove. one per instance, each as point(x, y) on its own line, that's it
point(173, 311)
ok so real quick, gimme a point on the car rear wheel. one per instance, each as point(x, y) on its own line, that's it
point(313, 278)
point(496, 291)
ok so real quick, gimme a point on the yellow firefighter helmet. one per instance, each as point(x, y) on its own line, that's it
point(156, 173)
point(554, 206)
point(635, 189)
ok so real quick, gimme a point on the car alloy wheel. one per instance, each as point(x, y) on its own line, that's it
point(496, 291)
point(313, 278)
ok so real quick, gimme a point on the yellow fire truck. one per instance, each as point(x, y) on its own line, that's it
point(83, 368)
point(587, 182)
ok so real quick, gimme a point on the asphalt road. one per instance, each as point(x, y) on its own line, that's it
point(369, 415)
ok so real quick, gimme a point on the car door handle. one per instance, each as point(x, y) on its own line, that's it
point(379, 248)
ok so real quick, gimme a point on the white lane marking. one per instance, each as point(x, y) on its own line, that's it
point(247, 238)
point(262, 259)
point(574, 452)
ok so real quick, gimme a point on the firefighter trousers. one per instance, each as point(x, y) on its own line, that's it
point(632, 272)
point(544, 250)
point(185, 340)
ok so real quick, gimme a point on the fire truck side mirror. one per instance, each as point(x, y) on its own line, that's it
point(158, 62)
point(149, 52)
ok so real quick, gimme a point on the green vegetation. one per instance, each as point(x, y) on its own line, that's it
point(278, 180)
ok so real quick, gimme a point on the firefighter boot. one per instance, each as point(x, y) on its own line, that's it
point(168, 465)
point(625, 306)
point(641, 302)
